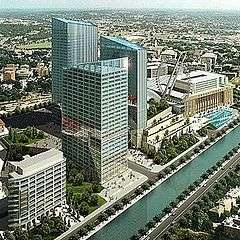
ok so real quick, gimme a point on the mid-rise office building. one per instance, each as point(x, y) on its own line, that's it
point(113, 47)
point(73, 42)
point(95, 117)
point(36, 185)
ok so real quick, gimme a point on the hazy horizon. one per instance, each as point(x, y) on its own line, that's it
point(116, 4)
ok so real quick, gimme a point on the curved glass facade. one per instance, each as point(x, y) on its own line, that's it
point(73, 42)
point(113, 47)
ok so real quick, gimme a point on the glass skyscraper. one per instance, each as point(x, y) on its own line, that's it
point(95, 117)
point(114, 47)
point(73, 42)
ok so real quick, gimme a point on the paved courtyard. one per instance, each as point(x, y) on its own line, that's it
point(141, 159)
point(51, 141)
point(120, 186)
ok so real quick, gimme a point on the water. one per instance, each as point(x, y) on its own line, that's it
point(129, 222)
point(220, 117)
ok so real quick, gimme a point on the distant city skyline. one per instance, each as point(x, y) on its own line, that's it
point(80, 4)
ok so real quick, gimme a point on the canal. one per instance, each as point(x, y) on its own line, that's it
point(129, 222)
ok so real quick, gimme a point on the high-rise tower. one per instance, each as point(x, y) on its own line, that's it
point(95, 117)
point(73, 42)
point(113, 47)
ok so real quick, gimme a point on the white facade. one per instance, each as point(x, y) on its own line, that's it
point(36, 186)
point(201, 81)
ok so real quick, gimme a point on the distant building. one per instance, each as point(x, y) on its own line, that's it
point(36, 185)
point(155, 69)
point(168, 54)
point(24, 72)
point(113, 47)
point(42, 70)
point(95, 117)
point(2, 126)
point(210, 60)
point(9, 72)
point(73, 42)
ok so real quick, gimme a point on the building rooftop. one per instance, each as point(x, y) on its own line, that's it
point(153, 86)
point(31, 165)
point(124, 42)
point(209, 55)
point(198, 76)
point(80, 22)
point(170, 52)
point(104, 66)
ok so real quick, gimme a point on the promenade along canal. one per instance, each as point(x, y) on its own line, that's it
point(128, 223)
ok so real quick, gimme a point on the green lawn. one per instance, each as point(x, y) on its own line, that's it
point(42, 45)
point(101, 201)
point(78, 190)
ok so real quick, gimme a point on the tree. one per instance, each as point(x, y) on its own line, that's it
point(84, 208)
point(183, 222)
point(135, 237)
point(20, 234)
point(75, 237)
point(82, 232)
point(150, 224)
point(94, 200)
point(37, 237)
point(17, 110)
point(145, 186)
point(118, 206)
point(24, 138)
point(90, 226)
point(9, 236)
point(45, 229)
point(103, 217)
point(96, 188)
point(78, 180)
point(142, 231)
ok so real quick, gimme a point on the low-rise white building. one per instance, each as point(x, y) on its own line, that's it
point(36, 186)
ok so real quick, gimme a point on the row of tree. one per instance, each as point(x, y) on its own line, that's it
point(172, 147)
point(49, 228)
point(25, 136)
point(19, 111)
point(155, 107)
point(197, 218)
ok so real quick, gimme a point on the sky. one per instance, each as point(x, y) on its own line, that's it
point(161, 4)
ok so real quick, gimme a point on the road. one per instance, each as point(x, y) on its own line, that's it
point(164, 226)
